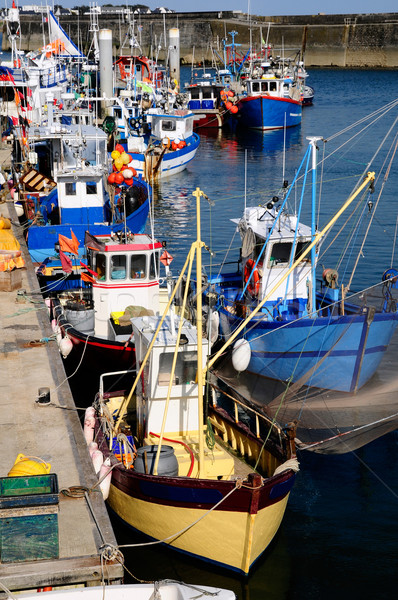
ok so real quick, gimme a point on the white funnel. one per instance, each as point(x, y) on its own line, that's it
point(174, 37)
point(105, 56)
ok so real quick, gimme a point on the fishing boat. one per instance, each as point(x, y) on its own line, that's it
point(165, 588)
point(204, 99)
point(295, 331)
point(190, 482)
point(162, 142)
point(27, 79)
point(92, 306)
point(62, 169)
point(269, 100)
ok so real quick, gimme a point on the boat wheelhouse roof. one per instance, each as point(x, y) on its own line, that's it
point(137, 242)
point(71, 131)
point(261, 219)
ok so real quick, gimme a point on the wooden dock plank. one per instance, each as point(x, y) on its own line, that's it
point(54, 434)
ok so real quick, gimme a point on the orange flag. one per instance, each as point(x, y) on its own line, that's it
point(67, 245)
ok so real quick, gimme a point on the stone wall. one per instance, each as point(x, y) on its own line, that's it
point(346, 41)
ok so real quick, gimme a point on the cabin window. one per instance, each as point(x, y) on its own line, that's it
point(138, 266)
point(185, 371)
point(256, 86)
point(264, 86)
point(91, 188)
point(117, 113)
point(118, 266)
point(195, 94)
point(272, 86)
point(100, 266)
point(154, 266)
point(206, 93)
point(301, 246)
point(70, 188)
point(169, 125)
point(280, 254)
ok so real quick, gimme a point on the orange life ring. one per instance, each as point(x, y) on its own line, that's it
point(253, 275)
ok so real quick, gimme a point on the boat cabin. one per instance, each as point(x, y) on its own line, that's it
point(268, 86)
point(176, 125)
point(204, 95)
point(184, 420)
point(264, 266)
point(126, 274)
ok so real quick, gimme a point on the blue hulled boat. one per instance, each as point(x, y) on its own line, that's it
point(269, 103)
point(64, 188)
point(300, 333)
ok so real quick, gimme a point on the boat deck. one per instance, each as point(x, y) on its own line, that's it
point(53, 433)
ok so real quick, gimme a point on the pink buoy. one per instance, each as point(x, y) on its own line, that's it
point(92, 447)
point(98, 459)
point(106, 473)
point(89, 424)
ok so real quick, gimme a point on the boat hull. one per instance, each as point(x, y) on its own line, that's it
point(268, 112)
point(171, 163)
point(337, 353)
point(244, 522)
point(41, 239)
point(207, 119)
point(92, 355)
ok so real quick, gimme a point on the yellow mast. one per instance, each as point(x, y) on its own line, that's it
point(199, 244)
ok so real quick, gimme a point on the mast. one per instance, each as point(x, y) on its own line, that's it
point(198, 193)
point(313, 140)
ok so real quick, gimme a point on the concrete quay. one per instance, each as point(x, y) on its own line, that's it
point(54, 434)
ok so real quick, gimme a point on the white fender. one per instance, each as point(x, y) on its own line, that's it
point(89, 424)
point(18, 208)
point(98, 459)
point(213, 324)
point(65, 346)
point(241, 354)
point(106, 471)
point(92, 447)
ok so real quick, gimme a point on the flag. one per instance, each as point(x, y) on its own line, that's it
point(66, 262)
point(6, 74)
point(67, 245)
point(87, 278)
point(75, 242)
point(88, 269)
point(91, 242)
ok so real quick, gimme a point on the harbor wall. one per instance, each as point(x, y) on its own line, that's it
point(344, 41)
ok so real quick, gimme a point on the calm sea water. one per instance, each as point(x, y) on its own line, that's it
point(339, 535)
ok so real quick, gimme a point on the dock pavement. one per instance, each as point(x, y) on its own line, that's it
point(54, 434)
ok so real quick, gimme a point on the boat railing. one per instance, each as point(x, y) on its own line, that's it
point(257, 416)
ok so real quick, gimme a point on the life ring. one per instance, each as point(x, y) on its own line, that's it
point(166, 142)
point(254, 277)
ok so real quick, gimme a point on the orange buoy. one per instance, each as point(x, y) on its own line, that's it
point(234, 109)
point(228, 105)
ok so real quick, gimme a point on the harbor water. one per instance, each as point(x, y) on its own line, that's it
point(338, 536)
